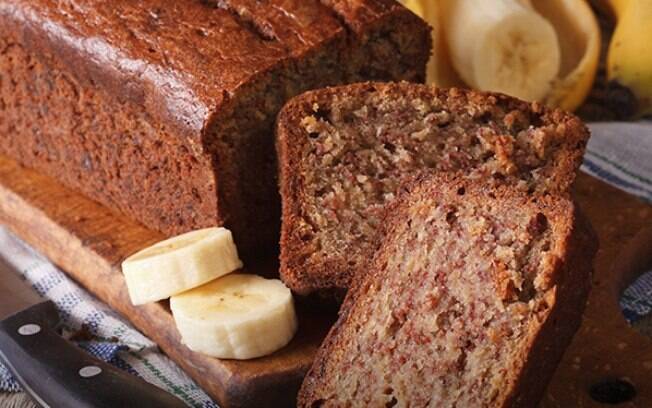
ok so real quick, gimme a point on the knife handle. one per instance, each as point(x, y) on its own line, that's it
point(56, 373)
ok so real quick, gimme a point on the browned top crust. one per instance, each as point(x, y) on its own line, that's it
point(183, 58)
point(328, 136)
point(416, 320)
point(164, 109)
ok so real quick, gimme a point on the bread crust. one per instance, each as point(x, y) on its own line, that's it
point(133, 103)
point(531, 370)
point(334, 275)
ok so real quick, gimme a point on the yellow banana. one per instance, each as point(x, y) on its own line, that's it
point(502, 45)
point(629, 60)
point(618, 6)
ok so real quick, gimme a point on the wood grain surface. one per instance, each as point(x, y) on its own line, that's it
point(608, 359)
point(89, 242)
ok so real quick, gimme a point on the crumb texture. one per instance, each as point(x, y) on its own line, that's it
point(456, 297)
point(356, 144)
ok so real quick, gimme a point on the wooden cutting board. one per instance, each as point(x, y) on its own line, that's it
point(607, 360)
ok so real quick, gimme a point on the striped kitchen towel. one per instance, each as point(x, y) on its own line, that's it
point(95, 327)
point(619, 153)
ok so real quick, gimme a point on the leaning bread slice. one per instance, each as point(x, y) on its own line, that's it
point(343, 152)
point(470, 301)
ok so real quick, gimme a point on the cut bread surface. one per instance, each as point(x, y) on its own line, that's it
point(344, 151)
point(469, 302)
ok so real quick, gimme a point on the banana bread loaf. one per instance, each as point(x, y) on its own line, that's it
point(343, 152)
point(164, 109)
point(470, 302)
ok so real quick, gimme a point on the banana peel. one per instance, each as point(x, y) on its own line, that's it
point(617, 6)
point(579, 35)
point(577, 30)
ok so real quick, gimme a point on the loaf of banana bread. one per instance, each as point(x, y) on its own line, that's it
point(164, 109)
point(470, 301)
point(343, 152)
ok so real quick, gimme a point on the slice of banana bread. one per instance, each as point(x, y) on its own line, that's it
point(470, 302)
point(165, 109)
point(343, 152)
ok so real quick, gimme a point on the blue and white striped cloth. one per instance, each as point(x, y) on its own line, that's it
point(99, 330)
point(619, 153)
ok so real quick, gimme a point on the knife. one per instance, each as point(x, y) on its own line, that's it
point(52, 370)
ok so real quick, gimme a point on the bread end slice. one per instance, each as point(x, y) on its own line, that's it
point(471, 300)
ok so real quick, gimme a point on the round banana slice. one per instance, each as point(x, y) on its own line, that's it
point(467, 51)
point(180, 263)
point(237, 316)
point(502, 45)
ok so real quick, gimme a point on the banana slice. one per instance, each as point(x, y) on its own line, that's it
point(180, 263)
point(502, 45)
point(577, 31)
point(237, 316)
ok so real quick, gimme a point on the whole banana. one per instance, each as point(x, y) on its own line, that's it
point(629, 60)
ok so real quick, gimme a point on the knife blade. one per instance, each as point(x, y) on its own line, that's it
point(52, 370)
